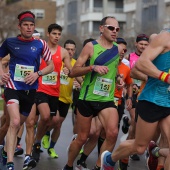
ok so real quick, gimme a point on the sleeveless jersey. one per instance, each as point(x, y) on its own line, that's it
point(133, 57)
point(98, 87)
point(66, 86)
point(50, 83)
point(155, 90)
point(25, 57)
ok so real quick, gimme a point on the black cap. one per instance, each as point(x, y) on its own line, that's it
point(121, 40)
point(142, 37)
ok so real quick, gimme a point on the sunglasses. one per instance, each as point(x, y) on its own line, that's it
point(112, 28)
point(125, 50)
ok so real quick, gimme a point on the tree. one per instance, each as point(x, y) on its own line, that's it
point(8, 21)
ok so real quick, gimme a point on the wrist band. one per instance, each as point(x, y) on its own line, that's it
point(164, 76)
point(91, 68)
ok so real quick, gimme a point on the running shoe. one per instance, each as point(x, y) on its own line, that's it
point(2, 166)
point(96, 167)
point(104, 164)
point(41, 151)
point(152, 160)
point(81, 166)
point(4, 156)
point(125, 126)
point(134, 157)
point(10, 166)
point(18, 150)
point(29, 163)
point(36, 152)
point(122, 165)
point(45, 141)
point(52, 153)
point(81, 151)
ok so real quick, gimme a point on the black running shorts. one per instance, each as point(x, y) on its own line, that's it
point(151, 112)
point(52, 101)
point(24, 97)
point(63, 108)
point(92, 108)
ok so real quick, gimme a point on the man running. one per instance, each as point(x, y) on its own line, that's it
point(21, 82)
point(101, 58)
point(153, 106)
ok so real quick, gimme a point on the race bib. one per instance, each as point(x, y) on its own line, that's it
point(21, 71)
point(102, 86)
point(64, 79)
point(50, 79)
point(116, 101)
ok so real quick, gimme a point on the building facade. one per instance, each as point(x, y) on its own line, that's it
point(82, 17)
point(44, 10)
point(147, 16)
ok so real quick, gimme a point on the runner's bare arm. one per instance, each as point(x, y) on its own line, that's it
point(79, 69)
point(159, 45)
point(66, 59)
point(136, 74)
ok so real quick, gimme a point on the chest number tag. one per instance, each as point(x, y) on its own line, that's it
point(102, 86)
point(64, 79)
point(50, 79)
point(21, 71)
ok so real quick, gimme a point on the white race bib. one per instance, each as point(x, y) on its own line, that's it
point(21, 71)
point(102, 86)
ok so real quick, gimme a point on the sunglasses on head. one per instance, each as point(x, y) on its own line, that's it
point(112, 28)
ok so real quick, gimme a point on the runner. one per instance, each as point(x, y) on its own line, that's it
point(153, 106)
point(142, 41)
point(21, 83)
point(97, 93)
point(48, 90)
point(65, 99)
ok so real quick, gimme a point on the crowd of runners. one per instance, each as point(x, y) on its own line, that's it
point(42, 80)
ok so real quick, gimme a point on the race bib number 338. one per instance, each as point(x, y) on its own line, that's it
point(102, 86)
point(21, 71)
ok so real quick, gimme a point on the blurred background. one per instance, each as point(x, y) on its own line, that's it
point(80, 18)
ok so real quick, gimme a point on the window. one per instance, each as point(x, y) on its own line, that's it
point(39, 13)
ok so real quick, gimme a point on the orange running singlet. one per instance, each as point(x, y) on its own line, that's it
point(50, 83)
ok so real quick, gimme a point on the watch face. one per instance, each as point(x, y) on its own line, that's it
point(39, 73)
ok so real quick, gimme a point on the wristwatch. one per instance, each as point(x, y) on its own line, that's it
point(39, 73)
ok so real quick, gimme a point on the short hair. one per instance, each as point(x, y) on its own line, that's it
point(69, 42)
point(26, 16)
point(103, 21)
point(121, 41)
point(54, 27)
point(88, 40)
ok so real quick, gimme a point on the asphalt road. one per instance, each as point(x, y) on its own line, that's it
point(46, 163)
